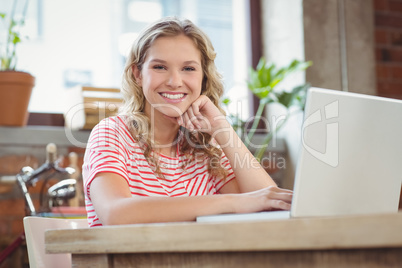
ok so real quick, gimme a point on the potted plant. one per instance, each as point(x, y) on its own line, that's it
point(263, 83)
point(15, 86)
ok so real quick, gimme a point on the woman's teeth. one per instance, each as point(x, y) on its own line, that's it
point(173, 96)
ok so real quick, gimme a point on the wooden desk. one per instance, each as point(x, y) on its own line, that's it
point(352, 241)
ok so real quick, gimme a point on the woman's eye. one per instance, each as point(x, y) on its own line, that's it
point(189, 68)
point(159, 67)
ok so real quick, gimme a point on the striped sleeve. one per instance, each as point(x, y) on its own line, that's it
point(105, 152)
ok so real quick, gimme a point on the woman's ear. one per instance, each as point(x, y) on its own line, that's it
point(137, 75)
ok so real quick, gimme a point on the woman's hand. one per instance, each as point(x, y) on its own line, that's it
point(270, 198)
point(203, 115)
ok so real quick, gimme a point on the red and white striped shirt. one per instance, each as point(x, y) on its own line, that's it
point(111, 148)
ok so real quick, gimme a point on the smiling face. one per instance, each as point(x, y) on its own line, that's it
point(171, 75)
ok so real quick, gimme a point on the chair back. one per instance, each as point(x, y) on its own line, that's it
point(35, 228)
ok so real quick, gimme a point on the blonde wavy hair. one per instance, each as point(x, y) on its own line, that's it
point(192, 145)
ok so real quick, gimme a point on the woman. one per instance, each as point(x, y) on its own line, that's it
point(171, 155)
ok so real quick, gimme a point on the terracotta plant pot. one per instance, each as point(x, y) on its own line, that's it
point(15, 93)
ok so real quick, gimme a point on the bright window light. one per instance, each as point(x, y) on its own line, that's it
point(125, 42)
point(144, 11)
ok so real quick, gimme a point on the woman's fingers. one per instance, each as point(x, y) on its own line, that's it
point(192, 121)
point(195, 107)
point(193, 118)
point(187, 122)
point(277, 198)
point(202, 115)
point(280, 204)
point(275, 189)
point(267, 199)
point(286, 197)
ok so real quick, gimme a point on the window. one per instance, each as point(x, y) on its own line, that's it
point(85, 43)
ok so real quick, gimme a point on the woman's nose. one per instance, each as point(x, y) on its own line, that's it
point(175, 79)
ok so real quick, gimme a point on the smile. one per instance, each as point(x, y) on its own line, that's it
point(173, 96)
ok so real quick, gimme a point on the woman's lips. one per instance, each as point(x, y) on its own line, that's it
point(173, 97)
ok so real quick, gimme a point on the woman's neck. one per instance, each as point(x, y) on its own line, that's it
point(164, 131)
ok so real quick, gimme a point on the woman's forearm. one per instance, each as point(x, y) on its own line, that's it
point(164, 209)
point(250, 175)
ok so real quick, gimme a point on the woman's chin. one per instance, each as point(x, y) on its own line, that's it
point(171, 117)
point(170, 112)
point(173, 113)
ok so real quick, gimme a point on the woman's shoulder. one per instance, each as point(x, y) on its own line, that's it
point(117, 121)
point(114, 131)
point(113, 126)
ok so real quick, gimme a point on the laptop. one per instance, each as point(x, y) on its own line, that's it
point(350, 160)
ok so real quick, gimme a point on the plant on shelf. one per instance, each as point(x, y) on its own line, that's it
point(12, 25)
point(15, 86)
point(263, 83)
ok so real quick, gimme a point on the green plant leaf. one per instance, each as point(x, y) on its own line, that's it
point(226, 101)
point(285, 98)
point(13, 23)
point(294, 98)
point(16, 39)
point(264, 76)
point(261, 92)
point(261, 63)
point(5, 63)
point(254, 81)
